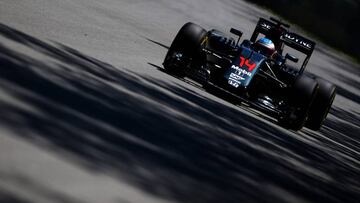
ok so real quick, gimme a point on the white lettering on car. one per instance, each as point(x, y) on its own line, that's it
point(236, 77)
point(234, 83)
point(264, 25)
point(301, 42)
point(241, 71)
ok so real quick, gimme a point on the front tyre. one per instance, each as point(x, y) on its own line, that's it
point(184, 48)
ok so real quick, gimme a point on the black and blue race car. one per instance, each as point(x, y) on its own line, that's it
point(265, 72)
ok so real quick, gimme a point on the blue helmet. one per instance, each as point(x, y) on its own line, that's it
point(265, 47)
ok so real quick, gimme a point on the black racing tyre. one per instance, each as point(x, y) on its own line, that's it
point(302, 96)
point(321, 105)
point(187, 42)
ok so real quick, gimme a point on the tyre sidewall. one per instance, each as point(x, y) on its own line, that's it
point(187, 42)
point(321, 105)
point(301, 95)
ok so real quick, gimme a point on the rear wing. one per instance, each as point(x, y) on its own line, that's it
point(264, 27)
point(298, 42)
point(279, 35)
point(277, 31)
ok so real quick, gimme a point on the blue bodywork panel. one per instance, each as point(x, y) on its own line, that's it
point(244, 68)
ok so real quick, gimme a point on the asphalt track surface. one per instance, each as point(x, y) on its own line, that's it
point(88, 115)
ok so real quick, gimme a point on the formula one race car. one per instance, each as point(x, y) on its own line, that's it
point(255, 72)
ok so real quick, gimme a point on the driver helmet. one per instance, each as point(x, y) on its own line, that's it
point(265, 47)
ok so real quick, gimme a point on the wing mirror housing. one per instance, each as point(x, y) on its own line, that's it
point(291, 58)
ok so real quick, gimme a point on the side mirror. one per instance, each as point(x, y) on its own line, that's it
point(291, 58)
point(236, 32)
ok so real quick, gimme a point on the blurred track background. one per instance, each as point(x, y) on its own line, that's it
point(87, 115)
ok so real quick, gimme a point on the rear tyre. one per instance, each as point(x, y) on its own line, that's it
point(302, 96)
point(321, 105)
point(186, 46)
